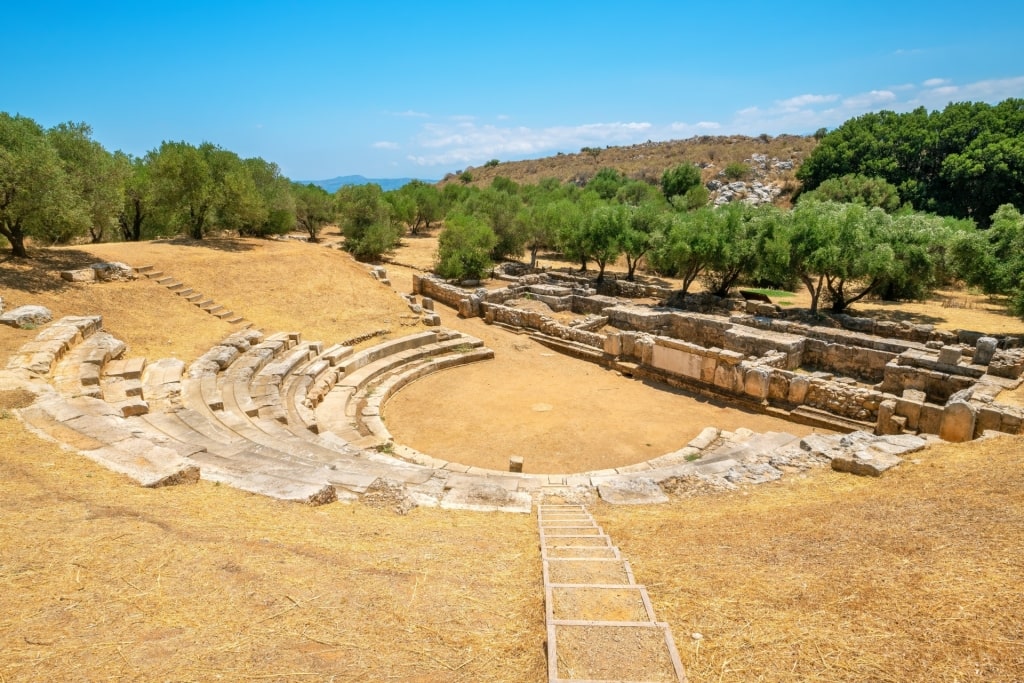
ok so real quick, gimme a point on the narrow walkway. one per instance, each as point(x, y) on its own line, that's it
point(600, 623)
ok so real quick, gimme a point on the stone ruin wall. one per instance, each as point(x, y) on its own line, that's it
point(776, 363)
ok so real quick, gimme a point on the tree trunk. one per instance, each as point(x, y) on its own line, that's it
point(583, 263)
point(533, 256)
point(16, 238)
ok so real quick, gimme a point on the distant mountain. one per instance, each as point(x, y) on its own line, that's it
point(385, 183)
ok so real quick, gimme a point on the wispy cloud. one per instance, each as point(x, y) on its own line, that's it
point(409, 113)
point(467, 142)
point(802, 101)
point(458, 141)
point(385, 144)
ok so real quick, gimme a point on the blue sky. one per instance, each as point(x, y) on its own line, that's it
point(394, 89)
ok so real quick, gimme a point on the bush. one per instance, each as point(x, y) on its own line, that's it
point(463, 250)
point(492, 163)
point(736, 170)
point(371, 242)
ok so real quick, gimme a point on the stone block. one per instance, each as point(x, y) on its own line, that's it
point(26, 316)
point(866, 462)
point(613, 344)
point(428, 303)
point(708, 365)
point(729, 378)
point(984, 350)
point(798, 387)
point(755, 383)
point(949, 355)
point(631, 491)
point(885, 424)
point(432, 320)
point(79, 275)
point(931, 419)
point(989, 418)
point(515, 463)
point(778, 386)
point(958, 420)
point(910, 409)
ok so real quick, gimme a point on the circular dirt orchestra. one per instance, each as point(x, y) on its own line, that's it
point(562, 415)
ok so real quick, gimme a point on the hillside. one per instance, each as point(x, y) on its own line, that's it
point(648, 160)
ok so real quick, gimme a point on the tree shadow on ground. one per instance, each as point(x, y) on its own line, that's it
point(41, 272)
point(228, 244)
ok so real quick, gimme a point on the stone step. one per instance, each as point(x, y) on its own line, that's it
point(164, 280)
point(222, 314)
point(154, 274)
point(185, 292)
point(176, 286)
point(193, 297)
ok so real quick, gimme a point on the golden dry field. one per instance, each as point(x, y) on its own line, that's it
point(823, 577)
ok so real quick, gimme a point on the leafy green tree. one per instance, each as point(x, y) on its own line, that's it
point(499, 210)
point(841, 250)
point(645, 230)
point(464, 248)
point(93, 174)
point(733, 246)
point(36, 199)
point(371, 242)
point(994, 259)
point(538, 224)
point(184, 190)
point(569, 233)
point(679, 180)
point(686, 250)
point(854, 188)
point(606, 183)
point(417, 204)
point(603, 230)
point(277, 215)
point(138, 196)
point(963, 161)
point(314, 209)
point(366, 219)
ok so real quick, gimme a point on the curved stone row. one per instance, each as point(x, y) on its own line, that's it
point(290, 419)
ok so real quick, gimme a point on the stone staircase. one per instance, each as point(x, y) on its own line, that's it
point(195, 298)
point(600, 623)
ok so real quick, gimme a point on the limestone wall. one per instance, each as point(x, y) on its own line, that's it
point(517, 317)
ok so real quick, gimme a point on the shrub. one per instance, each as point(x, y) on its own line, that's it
point(492, 163)
point(463, 250)
point(736, 170)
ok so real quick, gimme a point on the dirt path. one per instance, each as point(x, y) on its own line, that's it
point(561, 414)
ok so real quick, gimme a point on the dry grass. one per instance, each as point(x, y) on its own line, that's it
point(103, 580)
point(914, 577)
point(647, 161)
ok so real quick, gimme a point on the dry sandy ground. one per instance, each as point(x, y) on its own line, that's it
point(565, 415)
point(816, 578)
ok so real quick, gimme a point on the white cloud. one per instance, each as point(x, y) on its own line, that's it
point(466, 142)
point(869, 99)
point(688, 129)
point(802, 101)
point(385, 144)
point(935, 82)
